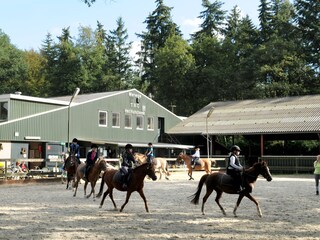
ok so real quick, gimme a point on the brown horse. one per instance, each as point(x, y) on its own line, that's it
point(161, 164)
point(221, 182)
point(112, 178)
point(92, 177)
point(71, 165)
point(205, 164)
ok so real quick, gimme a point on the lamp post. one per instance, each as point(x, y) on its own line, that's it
point(208, 142)
point(76, 92)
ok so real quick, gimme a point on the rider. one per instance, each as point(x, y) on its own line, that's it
point(92, 157)
point(195, 157)
point(234, 168)
point(149, 153)
point(126, 165)
point(75, 149)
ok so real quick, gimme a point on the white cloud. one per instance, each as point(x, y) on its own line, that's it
point(191, 25)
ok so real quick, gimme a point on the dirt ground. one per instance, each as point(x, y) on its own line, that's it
point(290, 209)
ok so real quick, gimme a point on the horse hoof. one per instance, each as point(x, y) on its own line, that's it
point(100, 206)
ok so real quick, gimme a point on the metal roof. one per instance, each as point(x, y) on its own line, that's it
point(265, 116)
point(81, 98)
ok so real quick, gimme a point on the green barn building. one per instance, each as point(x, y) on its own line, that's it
point(38, 129)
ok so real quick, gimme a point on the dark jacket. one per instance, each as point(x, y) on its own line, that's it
point(89, 160)
point(75, 149)
point(127, 159)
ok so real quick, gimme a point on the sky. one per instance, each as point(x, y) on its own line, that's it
point(27, 22)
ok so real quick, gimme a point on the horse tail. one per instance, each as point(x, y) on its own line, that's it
point(101, 186)
point(196, 196)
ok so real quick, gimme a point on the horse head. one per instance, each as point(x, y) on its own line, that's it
point(263, 170)
point(179, 159)
point(101, 163)
point(151, 171)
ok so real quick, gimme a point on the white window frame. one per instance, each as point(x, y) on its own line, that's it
point(106, 119)
point(150, 127)
point(142, 122)
point(125, 121)
point(117, 120)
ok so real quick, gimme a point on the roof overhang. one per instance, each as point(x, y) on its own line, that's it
point(139, 144)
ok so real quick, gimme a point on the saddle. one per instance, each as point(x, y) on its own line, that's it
point(228, 180)
point(120, 176)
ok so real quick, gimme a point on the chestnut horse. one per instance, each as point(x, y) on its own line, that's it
point(161, 164)
point(92, 177)
point(71, 165)
point(221, 182)
point(205, 164)
point(112, 178)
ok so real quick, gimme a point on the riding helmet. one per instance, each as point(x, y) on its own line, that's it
point(128, 146)
point(235, 147)
point(75, 140)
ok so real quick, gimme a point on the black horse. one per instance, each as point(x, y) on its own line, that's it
point(221, 182)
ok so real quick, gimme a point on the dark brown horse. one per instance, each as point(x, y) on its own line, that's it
point(161, 164)
point(221, 182)
point(92, 177)
point(71, 165)
point(112, 178)
point(205, 164)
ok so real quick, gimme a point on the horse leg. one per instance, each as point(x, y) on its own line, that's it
point(85, 188)
point(218, 197)
point(92, 190)
point(248, 195)
point(111, 197)
point(76, 187)
point(104, 197)
point(238, 203)
point(160, 172)
point(208, 193)
point(127, 200)
point(144, 199)
point(190, 173)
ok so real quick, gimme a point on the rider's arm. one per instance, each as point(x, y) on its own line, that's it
point(232, 163)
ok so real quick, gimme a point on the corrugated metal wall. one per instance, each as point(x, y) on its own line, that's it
point(84, 120)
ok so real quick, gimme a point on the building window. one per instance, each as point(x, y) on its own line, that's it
point(3, 111)
point(115, 119)
point(139, 122)
point(127, 121)
point(103, 117)
point(150, 123)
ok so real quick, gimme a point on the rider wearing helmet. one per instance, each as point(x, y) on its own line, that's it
point(126, 165)
point(75, 149)
point(92, 157)
point(234, 168)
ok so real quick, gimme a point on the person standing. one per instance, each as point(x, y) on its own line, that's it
point(149, 153)
point(316, 165)
point(234, 168)
point(195, 157)
point(92, 157)
point(75, 149)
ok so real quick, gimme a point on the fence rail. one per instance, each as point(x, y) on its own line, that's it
point(277, 164)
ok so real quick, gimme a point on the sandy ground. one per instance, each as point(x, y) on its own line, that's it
point(290, 209)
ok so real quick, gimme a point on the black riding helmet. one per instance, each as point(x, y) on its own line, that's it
point(75, 140)
point(235, 147)
point(128, 146)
